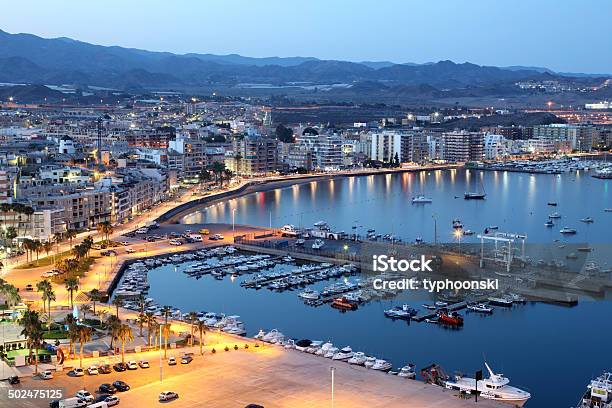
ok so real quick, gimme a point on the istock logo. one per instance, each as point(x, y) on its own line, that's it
point(384, 263)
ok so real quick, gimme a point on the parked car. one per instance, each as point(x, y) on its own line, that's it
point(143, 364)
point(132, 365)
point(13, 379)
point(111, 400)
point(168, 396)
point(119, 367)
point(130, 250)
point(142, 231)
point(76, 372)
point(93, 370)
point(176, 242)
point(29, 287)
point(84, 394)
point(106, 388)
point(204, 231)
point(186, 359)
point(171, 360)
point(124, 243)
point(96, 246)
point(105, 369)
point(121, 385)
point(46, 374)
point(72, 402)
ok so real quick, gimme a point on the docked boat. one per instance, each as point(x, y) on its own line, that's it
point(554, 215)
point(420, 199)
point(381, 365)
point(331, 352)
point(344, 354)
point(428, 307)
point(401, 312)
point(358, 358)
point(494, 388)
point(480, 308)
point(587, 220)
point(310, 294)
point(499, 301)
point(598, 393)
point(567, 230)
point(370, 361)
point(603, 174)
point(607, 209)
point(441, 303)
point(450, 318)
point(323, 349)
point(289, 231)
point(343, 304)
point(407, 371)
point(318, 244)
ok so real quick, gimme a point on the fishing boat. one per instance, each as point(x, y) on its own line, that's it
point(567, 230)
point(494, 388)
point(450, 318)
point(480, 308)
point(343, 304)
point(598, 393)
point(420, 199)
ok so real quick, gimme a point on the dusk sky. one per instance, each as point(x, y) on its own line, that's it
point(571, 36)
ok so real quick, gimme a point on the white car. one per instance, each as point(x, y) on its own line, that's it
point(77, 372)
point(176, 242)
point(93, 370)
point(171, 360)
point(168, 395)
point(130, 250)
point(132, 365)
point(143, 364)
point(125, 243)
point(86, 395)
point(111, 400)
point(142, 230)
point(46, 375)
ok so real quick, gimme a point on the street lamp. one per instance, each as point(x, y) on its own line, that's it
point(234, 224)
point(457, 234)
point(333, 372)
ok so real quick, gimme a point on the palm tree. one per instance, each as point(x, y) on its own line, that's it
point(112, 327)
point(117, 302)
point(73, 336)
point(124, 334)
point(150, 321)
point(95, 295)
point(201, 330)
point(43, 286)
point(57, 238)
point(106, 228)
point(166, 334)
point(87, 244)
point(72, 285)
point(36, 247)
point(85, 308)
point(50, 298)
point(11, 294)
point(33, 332)
point(47, 246)
point(79, 251)
point(84, 336)
point(192, 318)
point(27, 245)
point(70, 234)
point(10, 234)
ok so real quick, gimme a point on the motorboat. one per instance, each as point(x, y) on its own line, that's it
point(428, 307)
point(309, 294)
point(331, 352)
point(421, 199)
point(318, 244)
point(302, 345)
point(607, 209)
point(471, 195)
point(344, 354)
point(587, 220)
point(289, 344)
point(480, 308)
point(441, 303)
point(343, 304)
point(598, 393)
point(314, 346)
point(401, 312)
point(549, 223)
point(358, 358)
point(407, 371)
point(554, 215)
point(369, 361)
point(321, 225)
point(450, 318)
point(552, 203)
point(567, 230)
point(468, 232)
point(289, 231)
point(381, 365)
point(457, 224)
point(272, 335)
point(493, 227)
point(324, 349)
point(499, 301)
point(494, 388)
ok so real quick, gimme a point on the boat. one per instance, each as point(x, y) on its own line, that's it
point(289, 231)
point(607, 209)
point(370, 361)
point(358, 358)
point(309, 294)
point(331, 352)
point(480, 308)
point(344, 354)
point(494, 388)
point(401, 312)
point(323, 349)
point(457, 223)
point(598, 393)
point(407, 371)
point(381, 365)
point(549, 223)
point(567, 230)
point(318, 244)
point(343, 304)
point(554, 215)
point(450, 318)
point(471, 195)
point(587, 220)
point(499, 301)
point(420, 199)
point(428, 307)
point(468, 232)
point(302, 345)
point(552, 203)
point(441, 303)
point(322, 226)
point(605, 174)
point(493, 227)
point(259, 335)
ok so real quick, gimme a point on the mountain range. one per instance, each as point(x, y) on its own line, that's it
point(26, 58)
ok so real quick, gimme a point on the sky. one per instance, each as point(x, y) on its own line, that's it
point(563, 35)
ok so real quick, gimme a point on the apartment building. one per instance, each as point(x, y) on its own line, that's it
point(463, 146)
point(580, 137)
point(252, 155)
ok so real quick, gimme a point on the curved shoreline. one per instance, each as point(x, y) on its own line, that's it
point(256, 186)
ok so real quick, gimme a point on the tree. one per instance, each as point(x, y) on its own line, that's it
point(85, 334)
point(79, 251)
point(36, 247)
point(72, 335)
point(117, 302)
point(106, 228)
point(27, 245)
point(192, 318)
point(47, 246)
point(165, 311)
point(33, 332)
point(70, 234)
point(43, 286)
point(72, 285)
point(85, 308)
point(124, 334)
point(57, 238)
point(10, 234)
point(11, 294)
point(112, 327)
point(166, 334)
point(284, 134)
point(50, 298)
point(217, 168)
point(95, 295)
point(150, 321)
point(201, 326)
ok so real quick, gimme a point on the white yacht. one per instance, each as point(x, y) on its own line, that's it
point(344, 354)
point(598, 393)
point(309, 294)
point(273, 336)
point(495, 388)
point(314, 346)
point(289, 230)
point(421, 199)
point(370, 361)
point(323, 349)
point(554, 215)
point(359, 358)
point(381, 365)
point(331, 352)
point(407, 371)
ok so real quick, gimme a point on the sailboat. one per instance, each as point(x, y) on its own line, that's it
point(475, 195)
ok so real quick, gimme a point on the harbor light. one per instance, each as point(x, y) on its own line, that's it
point(345, 247)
